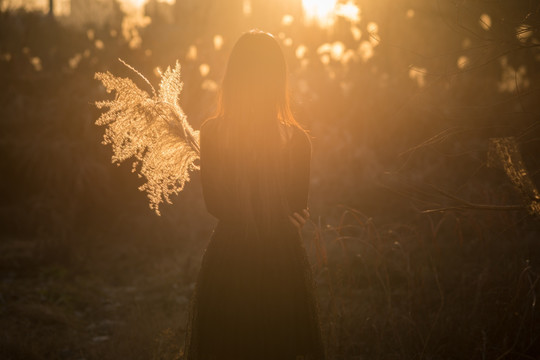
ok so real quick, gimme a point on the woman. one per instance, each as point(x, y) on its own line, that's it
point(254, 297)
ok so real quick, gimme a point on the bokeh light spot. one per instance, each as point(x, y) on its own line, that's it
point(192, 53)
point(300, 51)
point(218, 42)
point(356, 33)
point(36, 63)
point(372, 27)
point(418, 74)
point(90, 34)
point(99, 44)
point(6, 57)
point(523, 32)
point(246, 7)
point(324, 48)
point(463, 62)
point(338, 48)
point(209, 85)
point(485, 21)
point(287, 20)
point(348, 56)
point(74, 61)
point(325, 59)
point(365, 50)
point(204, 69)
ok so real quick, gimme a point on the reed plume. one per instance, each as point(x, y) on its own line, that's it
point(152, 130)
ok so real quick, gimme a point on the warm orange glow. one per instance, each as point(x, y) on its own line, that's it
point(420, 164)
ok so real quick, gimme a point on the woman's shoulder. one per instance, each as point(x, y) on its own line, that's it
point(300, 137)
point(209, 127)
point(295, 139)
point(209, 124)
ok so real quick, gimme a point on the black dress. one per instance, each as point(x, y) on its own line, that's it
point(254, 297)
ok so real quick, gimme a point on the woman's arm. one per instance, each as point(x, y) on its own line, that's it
point(300, 175)
point(299, 219)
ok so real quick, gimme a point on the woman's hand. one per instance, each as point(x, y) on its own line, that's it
point(299, 220)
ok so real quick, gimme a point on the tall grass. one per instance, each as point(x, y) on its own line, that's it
point(421, 290)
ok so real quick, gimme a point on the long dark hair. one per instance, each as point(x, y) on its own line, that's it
point(254, 118)
point(255, 85)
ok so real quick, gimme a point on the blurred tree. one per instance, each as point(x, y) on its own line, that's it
point(231, 18)
point(95, 13)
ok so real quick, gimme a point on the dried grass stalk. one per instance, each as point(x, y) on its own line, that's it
point(504, 153)
point(152, 130)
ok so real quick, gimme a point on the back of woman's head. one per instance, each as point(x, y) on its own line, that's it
point(255, 84)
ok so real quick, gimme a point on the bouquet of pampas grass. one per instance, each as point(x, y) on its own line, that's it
point(152, 131)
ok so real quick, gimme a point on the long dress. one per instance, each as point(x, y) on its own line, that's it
point(254, 297)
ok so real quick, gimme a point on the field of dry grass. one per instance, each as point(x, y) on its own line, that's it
point(385, 291)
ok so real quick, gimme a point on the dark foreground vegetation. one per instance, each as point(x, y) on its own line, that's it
point(420, 249)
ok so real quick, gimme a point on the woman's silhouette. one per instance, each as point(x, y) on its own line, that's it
point(254, 297)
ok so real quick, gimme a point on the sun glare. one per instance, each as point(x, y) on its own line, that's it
point(349, 11)
point(320, 12)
